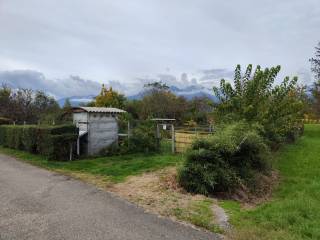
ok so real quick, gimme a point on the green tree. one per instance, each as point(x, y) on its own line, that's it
point(5, 102)
point(160, 102)
point(25, 105)
point(315, 63)
point(109, 98)
point(200, 109)
point(256, 99)
point(315, 101)
point(315, 68)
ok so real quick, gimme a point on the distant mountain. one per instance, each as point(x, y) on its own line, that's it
point(188, 92)
point(76, 100)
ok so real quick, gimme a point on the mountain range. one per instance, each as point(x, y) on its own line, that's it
point(188, 92)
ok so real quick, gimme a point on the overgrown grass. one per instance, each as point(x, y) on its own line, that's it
point(113, 169)
point(294, 211)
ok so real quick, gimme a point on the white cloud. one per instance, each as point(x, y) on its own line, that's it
point(124, 40)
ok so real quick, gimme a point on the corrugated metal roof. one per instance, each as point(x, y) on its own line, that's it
point(100, 109)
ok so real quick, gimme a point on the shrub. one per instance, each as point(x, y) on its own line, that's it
point(143, 138)
point(225, 160)
point(51, 141)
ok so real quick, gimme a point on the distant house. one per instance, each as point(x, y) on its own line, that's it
point(98, 128)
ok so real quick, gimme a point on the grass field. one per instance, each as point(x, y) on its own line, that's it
point(108, 169)
point(294, 211)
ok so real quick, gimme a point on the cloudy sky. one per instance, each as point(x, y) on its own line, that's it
point(124, 41)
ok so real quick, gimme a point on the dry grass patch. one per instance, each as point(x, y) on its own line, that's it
point(158, 192)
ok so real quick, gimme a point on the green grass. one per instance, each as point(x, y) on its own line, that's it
point(198, 213)
point(114, 169)
point(294, 211)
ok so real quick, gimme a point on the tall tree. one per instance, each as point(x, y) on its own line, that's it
point(315, 68)
point(255, 99)
point(160, 102)
point(315, 63)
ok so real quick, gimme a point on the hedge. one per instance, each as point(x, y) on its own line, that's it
point(50, 141)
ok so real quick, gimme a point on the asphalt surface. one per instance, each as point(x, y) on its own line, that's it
point(38, 204)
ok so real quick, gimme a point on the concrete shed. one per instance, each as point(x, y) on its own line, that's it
point(98, 128)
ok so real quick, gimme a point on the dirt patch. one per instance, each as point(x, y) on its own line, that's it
point(157, 192)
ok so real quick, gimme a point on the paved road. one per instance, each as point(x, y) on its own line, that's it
point(38, 204)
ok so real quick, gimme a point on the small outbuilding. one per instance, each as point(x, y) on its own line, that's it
point(98, 128)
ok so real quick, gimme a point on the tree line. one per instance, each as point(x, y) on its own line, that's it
point(157, 101)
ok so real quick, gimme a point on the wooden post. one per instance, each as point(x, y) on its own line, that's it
point(173, 138)
point(128, 133)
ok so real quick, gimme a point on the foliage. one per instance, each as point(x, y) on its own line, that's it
point(256, 99)
point(199, 110)
point(294, 210)
point(50, 141)
point(159, 102)
point(25, 105)
point(315, 100)
point(315, 63)
point(230, 157)
point(109, 98)
point(143, 138)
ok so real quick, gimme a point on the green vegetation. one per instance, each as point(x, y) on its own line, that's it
point(114, 169)
point(231, 157)
point(294, 211)
point(253, 117)
point(53, 142)
point(198, 213)
point(28, 106)
point(255, 98)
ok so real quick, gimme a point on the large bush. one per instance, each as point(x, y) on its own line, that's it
point(220, 163)
point(51, 141)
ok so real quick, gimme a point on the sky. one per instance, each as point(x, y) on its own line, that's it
point(128, 42)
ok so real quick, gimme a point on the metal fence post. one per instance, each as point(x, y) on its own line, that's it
point(173, 138)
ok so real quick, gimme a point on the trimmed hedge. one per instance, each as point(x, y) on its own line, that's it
point(50, 141)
